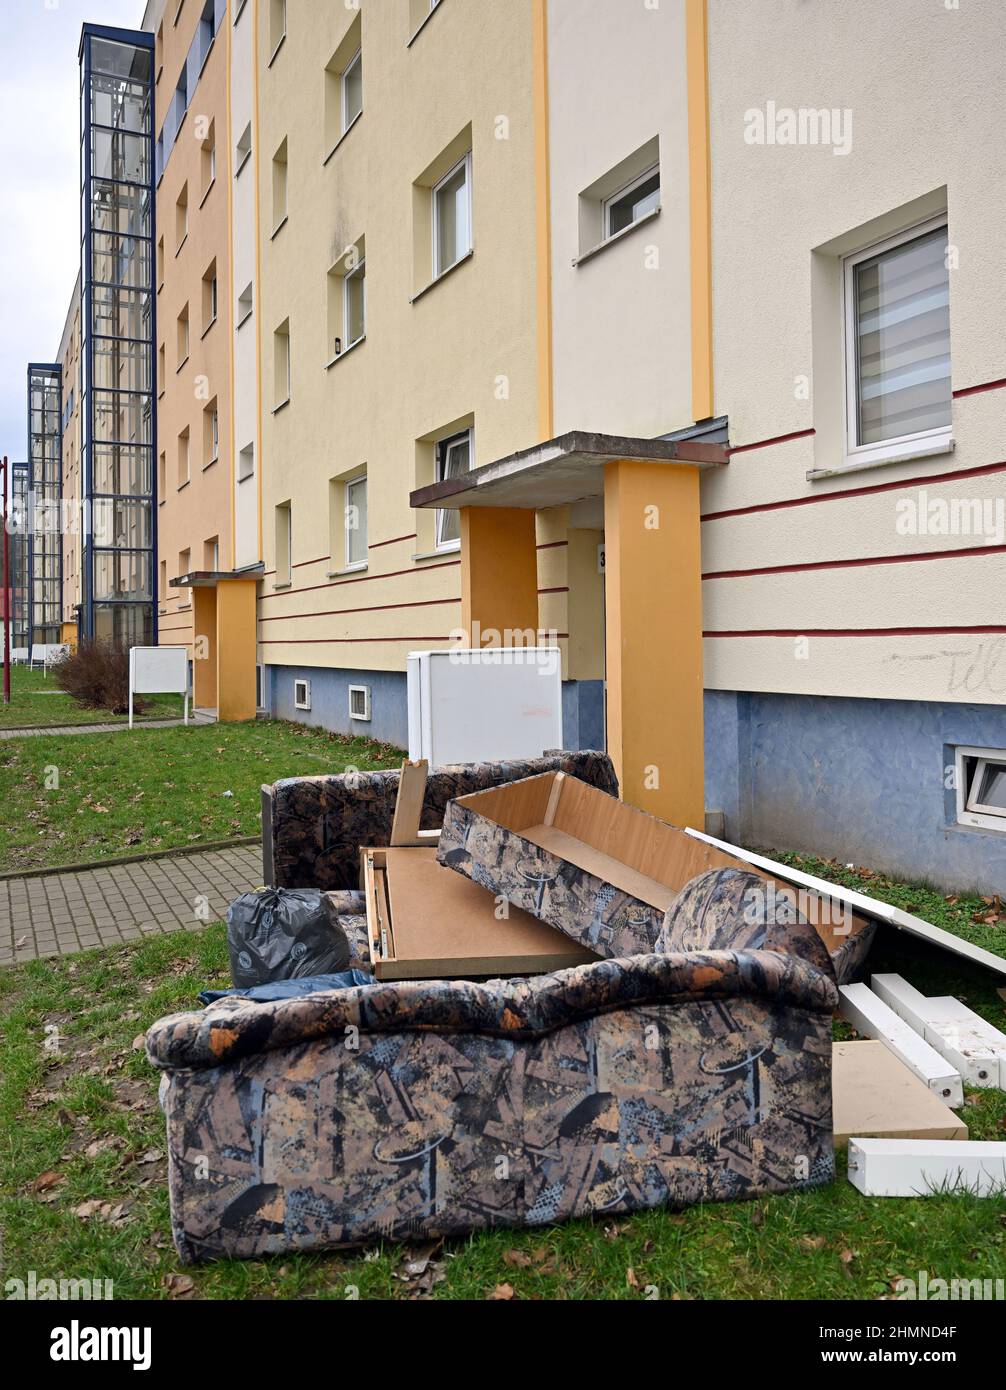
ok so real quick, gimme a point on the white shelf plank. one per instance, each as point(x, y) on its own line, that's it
point(970, 1044)
point(872, 1018)
point(925, 1167)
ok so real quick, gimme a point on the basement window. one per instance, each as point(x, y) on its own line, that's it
point(359, 703)
point(302, 694)
point(981, 788)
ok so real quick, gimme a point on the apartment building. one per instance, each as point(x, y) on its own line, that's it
point(204, 602)
point(691, 367)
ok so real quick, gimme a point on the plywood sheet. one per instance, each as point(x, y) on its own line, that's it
point(443, 925)
point(875, 1095)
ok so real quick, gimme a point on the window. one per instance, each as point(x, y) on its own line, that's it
point(352, 90)
point(359, 703)
point(356, 522)
point(302, 694)
point(211, 554)
point(355, 298)
point(244, 305)
point(162, 476)
point(277, 26)
point(284, 543)
point(160, 370)
point(632, 202)
point(897, 300)
point(160, 263)
point(210, 295)
point(211, 434)
point(183, 457)
point(246, 463)
point(162, 589)
point(281, 365)
point(452, 217)
point(182, 218)
point(279, 183)
point(454, 459)
point(183, 337)
point(184, 562)
point(981, 788)
point(243, 149)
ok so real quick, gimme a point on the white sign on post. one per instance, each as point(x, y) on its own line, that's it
point(158, 671)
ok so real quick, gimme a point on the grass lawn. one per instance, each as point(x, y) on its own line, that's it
point(82, 1172)
point(37, 702)
point(70, 799)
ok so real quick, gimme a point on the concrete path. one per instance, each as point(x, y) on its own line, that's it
point(60, 729)
point(59, 913)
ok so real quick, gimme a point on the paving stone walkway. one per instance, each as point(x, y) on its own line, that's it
point(59, 913)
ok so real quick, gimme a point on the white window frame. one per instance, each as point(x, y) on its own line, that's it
point(357, 271)
point(366, 716)
point(353, 62)
point(301, 693)
point(349, 530)
point(979, 819)
point(466, 162)
point(448, 442)
point(618, 195)
point(901, 446)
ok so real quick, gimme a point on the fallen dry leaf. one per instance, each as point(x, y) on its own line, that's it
point(814, 1242)
point(630, 1278)
point(516, 1259)
point(46, 1180)
point(177, 1285)
point(501, 1293)
point(139, 1042)
point(847, 1257)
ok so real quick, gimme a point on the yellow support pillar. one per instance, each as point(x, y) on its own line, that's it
point(653, 637)
point(204, 647)
point(499, 576)
point(236, 641)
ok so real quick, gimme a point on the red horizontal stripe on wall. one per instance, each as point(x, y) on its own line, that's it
point(370, 608)
point(767, 443)
point(551, 545)
point(850, 631)
point(984, 386)
point(301, 563)
point(863, 491)
point(564, 589)
point(312, 641)
point(394, 541)
point(968, 550)
point(184, 628)
point(360, 579)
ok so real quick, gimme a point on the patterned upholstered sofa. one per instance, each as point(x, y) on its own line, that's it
point(699, 1071)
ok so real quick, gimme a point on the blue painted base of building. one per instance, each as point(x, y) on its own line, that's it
point(862, 781)
point(582, 704)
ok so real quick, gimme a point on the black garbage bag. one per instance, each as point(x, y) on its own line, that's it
point(284, 934)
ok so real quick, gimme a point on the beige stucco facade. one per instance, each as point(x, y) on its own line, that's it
point(435, 357)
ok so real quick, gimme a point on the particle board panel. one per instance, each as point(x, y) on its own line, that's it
point(875, 1094)
point(443, 926)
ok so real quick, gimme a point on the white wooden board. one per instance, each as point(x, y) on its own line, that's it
point(924, 1167)
point(970, 1044)
point(863, 904)
point(872, 1018)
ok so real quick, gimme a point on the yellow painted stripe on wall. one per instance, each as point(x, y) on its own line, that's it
point(543, 219)
point(696, 34)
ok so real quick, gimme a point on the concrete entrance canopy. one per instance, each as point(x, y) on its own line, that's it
point(653, 591)
point(224, 640)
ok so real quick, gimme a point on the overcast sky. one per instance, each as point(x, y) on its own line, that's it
point(39, 218)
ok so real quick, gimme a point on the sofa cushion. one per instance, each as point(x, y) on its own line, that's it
point(514, 1008)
